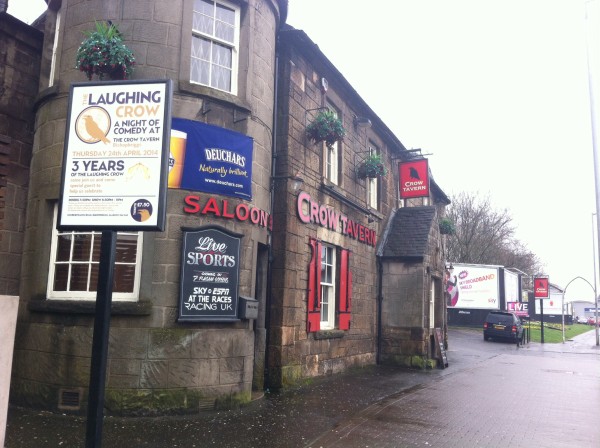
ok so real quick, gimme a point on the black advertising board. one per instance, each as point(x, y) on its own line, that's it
point(439, 339)
point(210, 270)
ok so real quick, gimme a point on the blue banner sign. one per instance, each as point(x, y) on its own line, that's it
point(210, 159)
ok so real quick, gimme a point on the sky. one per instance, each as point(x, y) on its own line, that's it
point(496, 93)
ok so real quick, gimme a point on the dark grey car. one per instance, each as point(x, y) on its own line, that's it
point(502, 325)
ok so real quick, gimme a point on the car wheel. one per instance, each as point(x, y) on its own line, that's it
point(486, 338)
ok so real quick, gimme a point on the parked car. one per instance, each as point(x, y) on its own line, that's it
point(591, 321)
point(503, 325)
point(580, 320)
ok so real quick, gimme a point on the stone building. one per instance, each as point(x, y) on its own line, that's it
point(334, 269)
point(357, 270)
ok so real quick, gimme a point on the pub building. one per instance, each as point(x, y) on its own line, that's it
point(282, 258)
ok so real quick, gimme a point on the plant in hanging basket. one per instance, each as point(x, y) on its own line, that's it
point(447, 227)
point(103, 53)
point(372, 167)
point(326, 127)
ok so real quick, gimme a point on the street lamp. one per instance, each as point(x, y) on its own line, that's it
point(592, 94)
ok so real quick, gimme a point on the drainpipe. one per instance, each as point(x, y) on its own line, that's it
point(379, 309)
point(272, 201)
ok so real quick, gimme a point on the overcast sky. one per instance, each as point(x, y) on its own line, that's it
point(495, 91)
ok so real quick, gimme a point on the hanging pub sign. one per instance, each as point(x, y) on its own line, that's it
point(115, 159)
point(541, 288)
point(210, 268)
point(414, 179)
point(210, 159)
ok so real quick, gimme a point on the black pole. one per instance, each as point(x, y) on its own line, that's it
point(93, 435)
point(542, 319)
point(379, 310)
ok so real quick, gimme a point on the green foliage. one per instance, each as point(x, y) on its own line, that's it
point(326, 127)
point(447, 227)
point(372, 167)
point(103, 53)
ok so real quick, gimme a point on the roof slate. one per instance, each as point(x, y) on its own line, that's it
point(409, 233)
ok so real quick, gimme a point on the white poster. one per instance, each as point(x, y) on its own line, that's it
point(471, 286)
point(552, 305)
point(115, 159)
point(511, 286)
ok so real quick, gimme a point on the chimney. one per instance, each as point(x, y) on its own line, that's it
point(3, 5)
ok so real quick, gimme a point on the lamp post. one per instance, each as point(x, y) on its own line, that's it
point(591, 67)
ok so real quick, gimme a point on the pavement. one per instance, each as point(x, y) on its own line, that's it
point(492, 394)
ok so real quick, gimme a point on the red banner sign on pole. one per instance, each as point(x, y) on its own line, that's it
point(414, 179)
point(541, 287)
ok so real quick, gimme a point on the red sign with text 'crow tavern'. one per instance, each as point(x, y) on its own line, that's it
point(414, 179)
point(541, 289)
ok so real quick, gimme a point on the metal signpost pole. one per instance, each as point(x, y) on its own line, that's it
point(93, 435)
point(542, 319)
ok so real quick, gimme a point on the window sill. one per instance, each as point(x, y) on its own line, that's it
point(329, 334)
point(376, 213)
point(142, 308)
point(213, 94)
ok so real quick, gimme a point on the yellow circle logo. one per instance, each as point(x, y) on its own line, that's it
point(92, 125)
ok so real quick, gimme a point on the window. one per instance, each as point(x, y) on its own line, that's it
point(215, 40)
point(74, 265)
point(329, 288)
point(373, 183)
point(332, 156)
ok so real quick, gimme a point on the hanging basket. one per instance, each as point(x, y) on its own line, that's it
point(103, 54)
point(326, 127)
point(371, 167)
point(447, 227)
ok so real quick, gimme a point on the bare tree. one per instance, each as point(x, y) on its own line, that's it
point(484, 235)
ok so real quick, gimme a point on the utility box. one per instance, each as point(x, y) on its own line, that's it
point(248, 308)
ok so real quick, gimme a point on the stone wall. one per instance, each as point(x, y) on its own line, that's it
point(296, 355)
point(20, 48)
